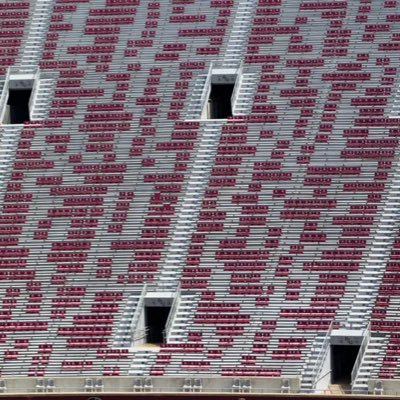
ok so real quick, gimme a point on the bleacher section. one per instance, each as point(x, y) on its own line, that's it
point(266, 222)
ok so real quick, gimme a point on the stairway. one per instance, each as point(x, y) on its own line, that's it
point(190, 207)
point(36, 36)
point(142, 360)
point(375, 265)
point(244, 100)
point(238, 37)
point(125, 330)
point(233, 58)
point(196, 99)
point(395, 109)
point(370, 363)
point(41, 100)
point(313, 363)
point(185, 310)
point(9, 136)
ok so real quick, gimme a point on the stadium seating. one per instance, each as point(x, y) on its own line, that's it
point(265, 220)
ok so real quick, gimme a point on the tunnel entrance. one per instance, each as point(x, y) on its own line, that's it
point(219, 102)
point(18, 106)
point(155, 321)
point(343, 358)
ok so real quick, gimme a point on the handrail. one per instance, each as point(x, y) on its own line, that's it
point(137, 313)
point(3, 95)
point(140, 334)
point(21, 70)
point(323, 376)
point(34, 90)
point(238, 83)
point(171, 314)
point(361, 352)
point(206, 88)
point(321, 357)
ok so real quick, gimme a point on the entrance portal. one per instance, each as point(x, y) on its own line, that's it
point(18, 101)
point(220, 101)
point(155, 320)
point(342, 362)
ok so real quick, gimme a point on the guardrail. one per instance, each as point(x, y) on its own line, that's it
point(137, 313)
point(361, 352)
point(206, 90)
point(34, 91)
point(140, 334)
point(236, 88)
point(3, 95)
point(321, 357)
point(172, 312)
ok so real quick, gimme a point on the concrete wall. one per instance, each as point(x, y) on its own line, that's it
point(166, 384)
point(391, 387)
point(140, 330)
point(324, 378)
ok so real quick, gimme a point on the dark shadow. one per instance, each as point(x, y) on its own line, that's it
point(220, 101)
point(18, 100)
point(155, 320)
point(342, 363)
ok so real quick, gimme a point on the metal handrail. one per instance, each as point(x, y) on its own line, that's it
point(171, 314)
point(238, 83)
point(3, 95)
point(361, 352)
point(34, 91)
point(206, 88)
point(321, 357)
point(137, 313)
point(323, 376)
point(141, 333)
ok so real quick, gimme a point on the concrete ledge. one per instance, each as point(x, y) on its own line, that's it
point(140, 384)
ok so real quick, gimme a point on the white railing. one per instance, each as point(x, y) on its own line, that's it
point(34, 91)
point(140, 334)
point(361, 352)
point(4, 96)
point(171, 315)
point(137, 313)
point(321, 357)
point(206, 90)
point(20, 70)
point(236, 88)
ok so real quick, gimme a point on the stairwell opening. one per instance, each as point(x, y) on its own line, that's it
point(219, 103)
point(343, 358)
point(220, 92)
point(152, 319)
point(156, 318)
point(17, 107)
